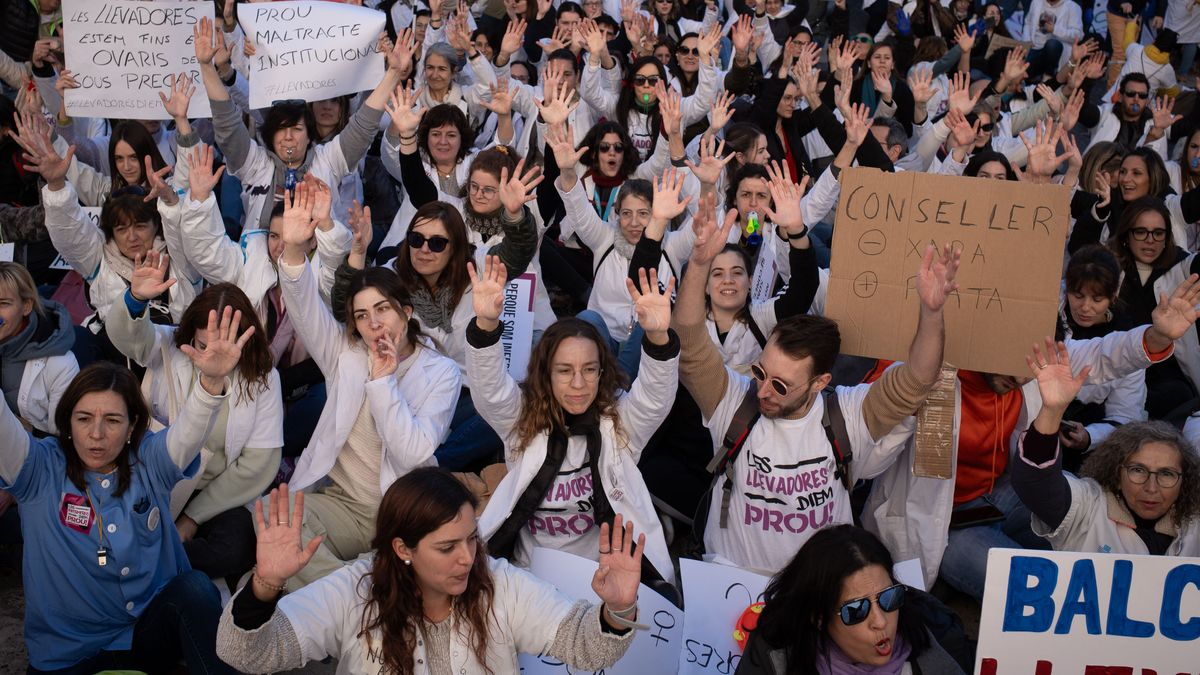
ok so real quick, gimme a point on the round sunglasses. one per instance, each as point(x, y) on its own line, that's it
point(437, 243)
point(856, 611)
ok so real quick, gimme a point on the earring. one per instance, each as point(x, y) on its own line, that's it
point(408, 562)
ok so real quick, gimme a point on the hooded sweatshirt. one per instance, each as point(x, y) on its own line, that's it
point(51, 335)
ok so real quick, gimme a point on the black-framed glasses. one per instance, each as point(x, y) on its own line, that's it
point(1143, 234)
point(777, 384)
point(612, 147)
point(890, 599)
point(688, 51)
point(642, 80)
point(1138, 475)
point(289, 102)
point(437, 243)
point(1136, 94)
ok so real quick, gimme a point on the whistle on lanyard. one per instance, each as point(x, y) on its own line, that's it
point(753, 229)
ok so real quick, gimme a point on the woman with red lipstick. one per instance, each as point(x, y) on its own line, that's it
point(837, 609)
point(1138, 492)
point(429, 599)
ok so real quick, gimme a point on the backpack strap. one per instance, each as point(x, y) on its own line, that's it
point(603, 257)
point(755, 330)
point(739, 428)
point(834, 424)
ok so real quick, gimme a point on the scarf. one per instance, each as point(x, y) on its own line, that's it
point(433, 308)
point(486, 226)
point(1155, 55)
point(869, 97)
point(120, 264)
point(622, 246)
point(503, 543)
point(837, 663)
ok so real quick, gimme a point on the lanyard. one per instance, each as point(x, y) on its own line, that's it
point(606, 212)
point(101, 552)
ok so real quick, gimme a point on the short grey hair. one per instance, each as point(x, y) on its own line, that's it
point(896, 133)
point(445, 51)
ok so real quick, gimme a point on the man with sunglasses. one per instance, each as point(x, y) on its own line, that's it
point(785, 482)
point(1128, 121)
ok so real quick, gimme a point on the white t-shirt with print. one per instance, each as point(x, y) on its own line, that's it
point(565, 520)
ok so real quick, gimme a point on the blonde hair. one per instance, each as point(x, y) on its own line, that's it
point(15, 276)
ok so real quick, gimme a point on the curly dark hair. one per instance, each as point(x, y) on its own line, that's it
point(1104, 462)
point(591, 141)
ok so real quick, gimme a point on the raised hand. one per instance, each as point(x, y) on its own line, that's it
point(561, 140)
point(400, 56)
point(1103, 188)
point(962, 133)
point(182, 89)
point(358, 219)
point(1070, 113)
point(670, 105)
point(710, 240)
point(1163, 117)
point(740, 35)
point(321, 198)
point(487, 292)
point(667, 204)
point(406, 118)
point(1177, 312)
point(298, 223)
point(594, 38)
point(620, 571)
point(501, 100)
point(1082, 50)
point(722, 111)
point(652, 304)
point(514, 37)
point(712, 160)
point(33, 135)
point(935, 280)
point(786, 195)
point(1095, 65)
point(201, 177)
point(557, 106)
point(220, 355)
point(1051, 365)
point(921, 84)
point(964, 38)
point(707, 42)
point(883, 84)
point(1015, 67)
point(1051, 98)
point(149, 279)
point(279, 554)
point(858, 124)
point(518, 189)
point(960, 94)
point(159, 187)
point(202, 41)
point(1043, 160)
point(29, 101)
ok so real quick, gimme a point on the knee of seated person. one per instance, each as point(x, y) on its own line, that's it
point(193, 589)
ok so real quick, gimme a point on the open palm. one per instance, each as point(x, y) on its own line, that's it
point(1051, 365)
point(1177, 313)
point(487, 291)
point(616, 579)
point(149, 278)
point(653, 302)
point(221, 354)
point(279, 554)
point(935, 280)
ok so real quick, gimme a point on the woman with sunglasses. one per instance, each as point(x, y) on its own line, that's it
point(390, 397)
point(429, 599)
point(637, 104)
point(838, 608)
point(572, 436)
point(1138, 492)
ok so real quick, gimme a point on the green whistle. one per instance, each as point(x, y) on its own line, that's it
point(646, 99)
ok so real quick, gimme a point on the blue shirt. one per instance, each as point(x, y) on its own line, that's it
point(75, 608)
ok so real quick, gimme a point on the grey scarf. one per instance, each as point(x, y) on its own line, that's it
point(433, 309)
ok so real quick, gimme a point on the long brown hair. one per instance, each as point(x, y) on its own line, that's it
point(256, 362)
point(454, 275)
point(103, 376)
point(143, 144)
point(540, 411)
point(415, 505)
point(1119, 242)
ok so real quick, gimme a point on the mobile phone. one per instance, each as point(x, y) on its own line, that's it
point(979, 515)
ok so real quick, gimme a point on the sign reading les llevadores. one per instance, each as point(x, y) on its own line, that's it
point(311, 51)
point(123, 53)
point(1059, 613)
point(1011, 236)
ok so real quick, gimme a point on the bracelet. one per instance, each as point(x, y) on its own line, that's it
point(623, 613)
point(799, 235)
point(623, 622)
point(254, 577)
point(408, 139)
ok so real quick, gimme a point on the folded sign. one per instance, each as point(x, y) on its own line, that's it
point(1011, 236)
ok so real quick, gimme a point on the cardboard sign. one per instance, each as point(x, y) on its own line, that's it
point(1058, 613)
point(517, 318)
point(124, 52)
point(652, 651)
point(715, 597)
point(1011, 235)
point(311, 51)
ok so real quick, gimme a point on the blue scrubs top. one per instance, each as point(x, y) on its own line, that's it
point(74, 607)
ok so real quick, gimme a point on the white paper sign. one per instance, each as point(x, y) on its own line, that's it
point(654, 651)
point(517, 317)
point(93, 214)
point(311, 50)
point(7, 250)
point(715, 597)
point(123, 53)
point(1058, 613)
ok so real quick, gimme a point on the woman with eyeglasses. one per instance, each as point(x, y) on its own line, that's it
point(572, 435)
point(1138, 492)
point(390, 398)
point(838, 608)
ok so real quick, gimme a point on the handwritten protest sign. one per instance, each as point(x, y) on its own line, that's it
point(311, 50)
point(93, 214)
point(652, 651)
point(1011, 236)
point(715, 597)
point(1057, 613)
point(124, 52)
point(517, 317)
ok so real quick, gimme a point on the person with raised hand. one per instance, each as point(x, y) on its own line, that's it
point(287, 149)
point(95, 500)
point(571, 424)
point(242, 454)
point(390, 395)
point(429, 599)
point(1138, 492)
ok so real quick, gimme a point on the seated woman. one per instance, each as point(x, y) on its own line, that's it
point(390, 398)
point(572, 438)
point(93, 504)
point(429, 599)
point(838, 608)
point(1138, 492)
point(241, 454)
